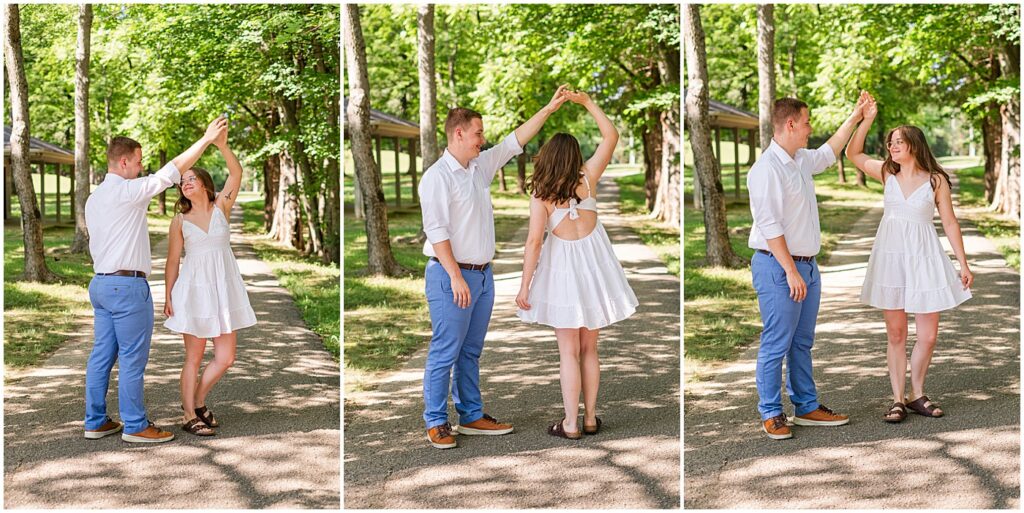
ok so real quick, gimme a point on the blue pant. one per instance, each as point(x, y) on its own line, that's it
point(457, 342)
point(788, 333)
point(123, 328)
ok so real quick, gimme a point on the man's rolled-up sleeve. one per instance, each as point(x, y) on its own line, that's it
point(492, 159)
point(434, 205)
point(822, 158)
point(141, 190)
point(767, 199)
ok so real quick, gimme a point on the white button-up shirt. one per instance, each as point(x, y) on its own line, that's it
point(456, 202)
point(782, 200)
point(115, 215)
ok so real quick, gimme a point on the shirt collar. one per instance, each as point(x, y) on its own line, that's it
point(780, 152)
point(453, 163)
point(114, 178)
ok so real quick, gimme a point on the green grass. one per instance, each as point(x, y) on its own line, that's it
point(1003, 231)
point(314, 285)
point(662, 238)
point(721, 314)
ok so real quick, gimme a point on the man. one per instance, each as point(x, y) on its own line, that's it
point(786, 235)
point(458, 221)
point(115, 215)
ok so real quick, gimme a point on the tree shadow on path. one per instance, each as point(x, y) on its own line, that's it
point(632, 463)
point(278, 445)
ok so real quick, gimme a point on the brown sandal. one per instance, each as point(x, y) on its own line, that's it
point(592, 430)
point(923, 406)
point(897, 413)
point(197, 427)
point(557, 429)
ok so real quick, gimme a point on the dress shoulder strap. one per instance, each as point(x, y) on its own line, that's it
point(587, 183)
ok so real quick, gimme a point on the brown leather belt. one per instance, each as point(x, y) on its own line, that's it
point(133, 274)
point(795, 258)
point(470, 267)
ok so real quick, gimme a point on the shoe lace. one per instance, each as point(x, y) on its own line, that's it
point(779, 421)
point(826, 410)
point(444, 430)
point(490, 419)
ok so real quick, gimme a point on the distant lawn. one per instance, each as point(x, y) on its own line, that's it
point(1003, 231)
point(314, 285)
point(39, 318)
point(721, 313)
point(662, 238)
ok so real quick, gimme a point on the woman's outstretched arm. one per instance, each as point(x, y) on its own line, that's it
point(233, 185)
point(531, 253)
point(944, 199)
point(595, 166)
point(855, 150)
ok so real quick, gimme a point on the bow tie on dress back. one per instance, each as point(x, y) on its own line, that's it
point(573, 212)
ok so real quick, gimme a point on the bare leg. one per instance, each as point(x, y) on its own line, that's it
point(590, 369)
point(194, 349)
point(223, 358)
point(569, 374)
point(921, 358)
point(896, 354)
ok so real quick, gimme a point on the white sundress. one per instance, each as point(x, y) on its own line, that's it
point(909, 268)
point(578, 283)
point(209, 297)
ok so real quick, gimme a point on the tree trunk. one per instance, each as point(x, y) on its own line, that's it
point(765, 70)
point(1007, 190)
point(31, 222)
point(652, 143)
point(332, 166)
point(380, 260)
point(521, 172)
point(286, 228)
point(81, 193)
point(668, 204)
point(271, 176)
point(428, 86)
point(752, 143)
point(306, 177)
point(716, 231)
point(991, 132)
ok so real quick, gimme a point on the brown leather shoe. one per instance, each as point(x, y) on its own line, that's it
point(150, 435)
point(108, 428)
point(821, 417)
point(486, 425)
point(776, 427)
point(441, 436)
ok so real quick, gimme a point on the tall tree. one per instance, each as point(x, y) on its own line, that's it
point(428, 85)
point(380, 259)
point(31, 221)
point(81, 194)
point(716, 232)
point(765, 70)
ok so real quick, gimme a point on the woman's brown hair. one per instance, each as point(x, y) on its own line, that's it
point(556, 170)
point(183, 205)
point(918, 148)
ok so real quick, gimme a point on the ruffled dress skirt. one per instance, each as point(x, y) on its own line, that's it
point(579, 284)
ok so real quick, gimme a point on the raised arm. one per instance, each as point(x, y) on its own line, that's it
point(855, 150)
point(596, 164)
point(527, 131)
point(531, 253)
point(175, 242)
point(944, 199)
point(189, 157)
point(229, 193)
point(842, 135)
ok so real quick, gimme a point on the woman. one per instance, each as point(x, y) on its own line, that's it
point(574, 282)
point(908, 271)
point(208, 299)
